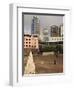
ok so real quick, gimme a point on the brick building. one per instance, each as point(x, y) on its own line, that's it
point(31, 41)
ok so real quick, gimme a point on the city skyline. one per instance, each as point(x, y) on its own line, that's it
point(45, 21)
point(43, 44)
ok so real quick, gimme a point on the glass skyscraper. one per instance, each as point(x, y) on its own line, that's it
point(35, 28)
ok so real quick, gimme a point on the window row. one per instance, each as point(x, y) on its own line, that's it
point(27, 46)
point(29, 42)
point(29, 39)
point(57, 39)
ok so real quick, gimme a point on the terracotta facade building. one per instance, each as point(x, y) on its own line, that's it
point(31, 41)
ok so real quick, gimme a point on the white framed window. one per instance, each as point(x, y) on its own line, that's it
point(16, 77)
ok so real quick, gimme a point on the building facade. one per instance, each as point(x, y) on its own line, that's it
point(31, 41)
point(54, 31)
point(45, 35)
point(35, 29)
point(61, 30)
point(55, 39)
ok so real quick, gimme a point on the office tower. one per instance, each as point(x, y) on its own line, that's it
point(45, 35)
point(35, 29)
point(54, 31)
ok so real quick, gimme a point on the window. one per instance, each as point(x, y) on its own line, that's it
point(26, 39)
point(35, 46)
point(35, 43)
point(26, 42)
point(26, 45)
point(32, 45)
point(29, 45)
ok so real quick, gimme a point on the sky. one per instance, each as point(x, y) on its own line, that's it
point(45, 21)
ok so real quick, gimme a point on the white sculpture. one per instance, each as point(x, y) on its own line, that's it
point(30, 66)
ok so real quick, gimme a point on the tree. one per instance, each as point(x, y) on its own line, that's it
point(58, 49)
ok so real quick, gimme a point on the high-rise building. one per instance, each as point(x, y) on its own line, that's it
point(61, 30)
point(41, 34)
point(35, 29)
point(45, 35)
point(54, 31)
